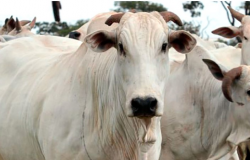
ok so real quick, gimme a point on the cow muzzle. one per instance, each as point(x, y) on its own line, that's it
point(144, 107)
point(74, 35)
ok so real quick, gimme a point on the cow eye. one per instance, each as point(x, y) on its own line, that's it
point(245, 38)
point(164, 47)
point(248, 92)
point(121, 49)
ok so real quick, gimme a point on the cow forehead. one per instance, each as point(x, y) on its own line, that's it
point(142, 20)
point(143, 27)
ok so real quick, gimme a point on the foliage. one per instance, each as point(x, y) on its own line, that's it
point(139, 6)
point(188, 26)
point(193, 7)
point(145, 6)
point(246, 6)
point(58, 29)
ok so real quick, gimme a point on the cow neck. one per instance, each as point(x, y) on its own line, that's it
point(203, 125)
point(219, 121)
point(115, 132)
point(215, 115)
point(223, 122)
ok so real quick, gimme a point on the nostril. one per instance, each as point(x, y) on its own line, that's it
point(153, 104)
point(153, 108)
point(135, 103)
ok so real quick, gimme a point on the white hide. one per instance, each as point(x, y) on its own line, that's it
point(58, 104)
point(96, 23)
point(198, 121)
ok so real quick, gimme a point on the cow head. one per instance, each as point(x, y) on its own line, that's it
point(142, 41)
point(243, 32)
point(94, 24)
point(21, 29)
point(235, 82)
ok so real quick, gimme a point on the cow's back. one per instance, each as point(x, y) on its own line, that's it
point(27, 68)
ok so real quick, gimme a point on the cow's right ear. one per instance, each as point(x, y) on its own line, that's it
point(100, 41)
point(217, 71)
point(181, 41)
point(11, 24)
point(228, 32)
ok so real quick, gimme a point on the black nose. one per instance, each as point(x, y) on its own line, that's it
point(144, 107)
point(74, 35)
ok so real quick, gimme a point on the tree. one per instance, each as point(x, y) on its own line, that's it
point(58, 29)
point(139, 6)
point(193, 7)
point(244, 5)
point(187, 26)
point(229, 16)
point(145, 6)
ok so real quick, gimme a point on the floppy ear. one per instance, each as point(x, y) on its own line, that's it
point(228, 32)
point(182, 41)
point(100, 41)
point(215, 69)
point(227, 78)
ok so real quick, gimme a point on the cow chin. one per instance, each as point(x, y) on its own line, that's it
point(148, 134)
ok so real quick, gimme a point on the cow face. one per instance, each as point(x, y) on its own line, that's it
point(142, 41)
point(235, 82)
point(243, 32)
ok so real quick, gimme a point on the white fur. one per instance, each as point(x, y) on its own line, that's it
point(198, 121)
point(61, 105)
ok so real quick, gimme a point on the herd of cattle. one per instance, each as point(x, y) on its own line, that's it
point(124, 87)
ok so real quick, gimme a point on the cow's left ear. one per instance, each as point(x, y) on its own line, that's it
point(217, 71)
point(228, 32)
point(182, 41)
point(100, 41)
point(11, 24)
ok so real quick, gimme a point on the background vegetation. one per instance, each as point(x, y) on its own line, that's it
point(193, 7)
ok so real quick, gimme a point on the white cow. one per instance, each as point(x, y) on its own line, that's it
point(10, 24)
point(23, 30)
point(94, 24)
point(88, 105)
point(242, 32)
point(230, 56)
point(198, 121)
